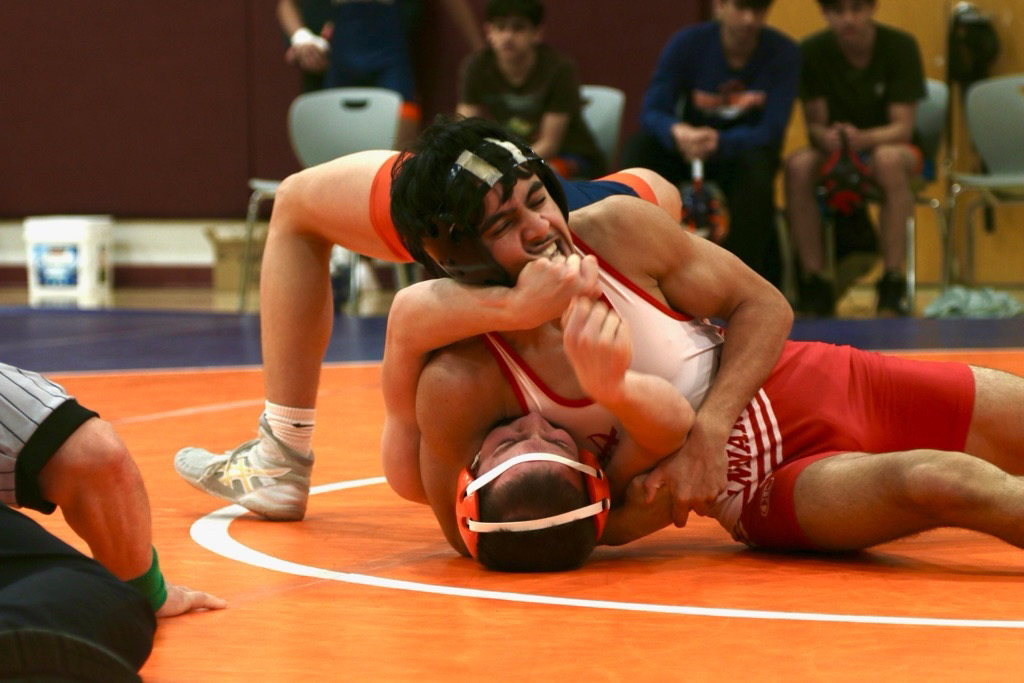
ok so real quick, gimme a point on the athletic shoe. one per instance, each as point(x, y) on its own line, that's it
point(892, 295)
point(273, 481)
point(31, 654)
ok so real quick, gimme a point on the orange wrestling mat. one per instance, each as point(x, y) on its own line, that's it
point(367, 589)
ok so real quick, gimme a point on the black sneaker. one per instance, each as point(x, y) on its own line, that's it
point(816, 297)
point(40, 655)
point(892, 295)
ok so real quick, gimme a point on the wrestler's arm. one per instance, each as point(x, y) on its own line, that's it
point(703, 280)
point(654, 415)
point(435, 313)
point(707, 281)
point(457, 403)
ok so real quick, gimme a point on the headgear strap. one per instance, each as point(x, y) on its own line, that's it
point(467, 504)
point(454, 244)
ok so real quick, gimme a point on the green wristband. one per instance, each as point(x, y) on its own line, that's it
point(151, 584)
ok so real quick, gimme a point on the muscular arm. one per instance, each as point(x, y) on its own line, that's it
point(433, 314)
point(458, 401)
point(700, 279)
point(95, 482)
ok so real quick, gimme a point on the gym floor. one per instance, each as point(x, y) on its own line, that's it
point(367, 589)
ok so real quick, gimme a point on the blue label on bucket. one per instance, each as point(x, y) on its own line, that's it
point(56, 265)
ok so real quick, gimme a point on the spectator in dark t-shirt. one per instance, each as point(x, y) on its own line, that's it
point(862, 80)
point(530, 89)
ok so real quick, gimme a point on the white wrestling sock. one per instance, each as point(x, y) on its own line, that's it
point(292, 426)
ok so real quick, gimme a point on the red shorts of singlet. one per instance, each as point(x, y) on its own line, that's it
point(822, 400)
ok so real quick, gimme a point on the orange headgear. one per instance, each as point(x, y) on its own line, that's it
point(467, 505)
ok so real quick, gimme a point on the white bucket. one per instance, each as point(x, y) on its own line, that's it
point(69, 260)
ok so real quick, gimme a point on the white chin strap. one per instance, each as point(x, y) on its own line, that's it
point(543, 522)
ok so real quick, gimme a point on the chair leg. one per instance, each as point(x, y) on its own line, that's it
point(828, 245)
point(911, 264)
point(972, 208)
point(352, 307)
point(401, 275)
point(786, 255)
point(252, 214)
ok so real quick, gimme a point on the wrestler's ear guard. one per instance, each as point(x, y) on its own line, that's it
point(467, 504)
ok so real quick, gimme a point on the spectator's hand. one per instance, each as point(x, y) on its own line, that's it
point(181, 600)
point(545, 287)
point(599, 348)
point(308, 51)
point(832, 139)
point(695, 143)
point(857, 138)
point(695, 475)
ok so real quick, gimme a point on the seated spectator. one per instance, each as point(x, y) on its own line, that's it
point(735, 80)
point(860, 81)
point(529, 88)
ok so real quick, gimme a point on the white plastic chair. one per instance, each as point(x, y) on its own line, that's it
point(602, 111)
point(322, 126)
point(995, 121)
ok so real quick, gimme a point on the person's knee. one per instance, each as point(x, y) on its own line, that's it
point(890, 165)
point(940, 483)
point(802, 169)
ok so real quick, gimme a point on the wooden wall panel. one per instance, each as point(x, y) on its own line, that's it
point(164, 110)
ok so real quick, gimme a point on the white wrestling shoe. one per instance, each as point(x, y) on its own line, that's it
point(275, 485)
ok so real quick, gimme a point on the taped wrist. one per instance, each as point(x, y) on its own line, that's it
point(151, 584)
point(304, 36)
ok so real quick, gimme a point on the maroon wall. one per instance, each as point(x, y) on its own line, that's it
point(166, 109)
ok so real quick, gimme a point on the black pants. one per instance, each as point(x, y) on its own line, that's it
point(748, 183)
point(47, 584)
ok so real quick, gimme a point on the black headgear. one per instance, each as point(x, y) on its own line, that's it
point(455, 242)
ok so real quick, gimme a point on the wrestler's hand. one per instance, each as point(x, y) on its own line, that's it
point(599, 348)
point(545, 287)
point(181, 600)
point(635, 517)
point(695, 475)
